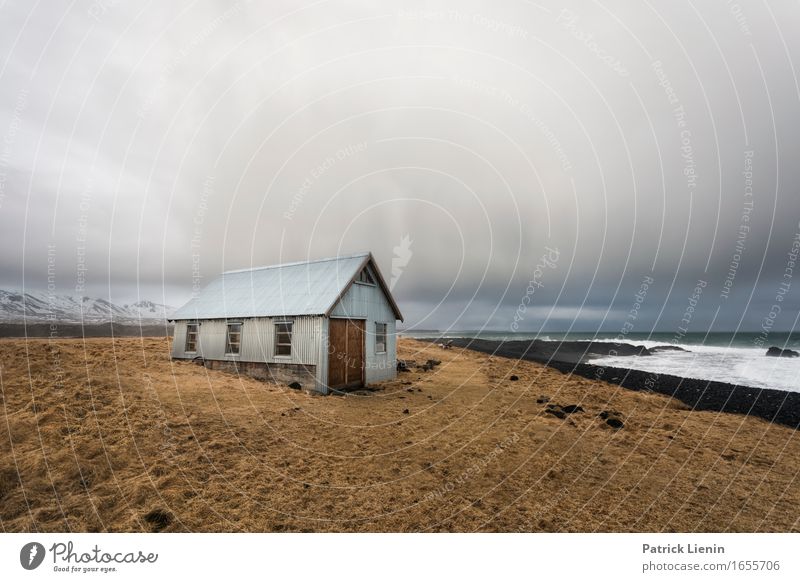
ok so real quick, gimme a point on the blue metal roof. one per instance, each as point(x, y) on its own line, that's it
point(303, 288)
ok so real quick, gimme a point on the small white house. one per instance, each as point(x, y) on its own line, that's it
point(328, 324)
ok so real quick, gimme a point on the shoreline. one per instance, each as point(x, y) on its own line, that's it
point(773, 405)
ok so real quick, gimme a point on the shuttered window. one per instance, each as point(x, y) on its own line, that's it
point(380, 338)
point(283, 338)
point(233, 339)
point(191, 337)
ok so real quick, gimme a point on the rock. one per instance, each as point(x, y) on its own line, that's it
point(542, 400)
point(572, 408)
point(404, 365)
point(405, 411)
point(295, 385)
point(615, 423)
point(513, 378)
point(556, 412)
point(779, 353)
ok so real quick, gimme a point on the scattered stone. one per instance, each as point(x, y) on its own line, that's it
point(405, 411)
point(572, 408)
point(158, 519)
point(513, 378)
point(295, 385)
point(543, 400)
point(615, 423)
point(779, 353)
point(557, 412)
point(405, 365)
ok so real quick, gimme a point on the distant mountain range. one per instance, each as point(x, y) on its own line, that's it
point(33, 306)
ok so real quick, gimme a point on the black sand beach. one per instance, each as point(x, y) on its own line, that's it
point(776, 406)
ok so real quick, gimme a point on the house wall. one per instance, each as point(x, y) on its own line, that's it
point(368, 302)
point(258, 345)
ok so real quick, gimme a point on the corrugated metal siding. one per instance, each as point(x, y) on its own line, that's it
point(179, 339)
point(294, 289)
point(258, 340)
point(369, 303)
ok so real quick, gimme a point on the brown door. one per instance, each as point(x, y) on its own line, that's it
point(346, 353)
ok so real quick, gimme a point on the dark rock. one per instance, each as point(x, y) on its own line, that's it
point(608, 414)
point(409, 389)
point(513, 378)
point(542, 399)
point(558, 413)
point(779, 353)
point(295, 385)
point(405, 411)
point(572, 408)
point(403, 365)
point(158, 519)
point(615, 423)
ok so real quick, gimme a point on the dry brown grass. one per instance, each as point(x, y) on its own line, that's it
point(112, 435)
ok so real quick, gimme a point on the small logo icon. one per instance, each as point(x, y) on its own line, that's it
point(31, 555)
point(402, 255)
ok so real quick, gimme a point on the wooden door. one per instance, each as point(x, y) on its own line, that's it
point(346, 353)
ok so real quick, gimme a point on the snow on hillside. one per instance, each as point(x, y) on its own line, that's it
point(16, 306)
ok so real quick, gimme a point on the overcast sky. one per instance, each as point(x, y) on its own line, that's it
point(142, 144)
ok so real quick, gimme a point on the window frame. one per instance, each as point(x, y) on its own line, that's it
point(370, 277)
point(278, 345)
point(228, 344)
point(195, 341)
point(385, 334)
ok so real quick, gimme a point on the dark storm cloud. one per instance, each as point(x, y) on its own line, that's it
point(166, 144)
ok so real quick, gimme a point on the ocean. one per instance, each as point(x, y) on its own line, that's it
point(736, 358)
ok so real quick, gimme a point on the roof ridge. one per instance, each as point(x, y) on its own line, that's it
point(295, 263)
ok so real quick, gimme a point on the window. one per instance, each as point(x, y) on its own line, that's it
point(233, 339)
point(380, 338)
point(283, 338)
point(365, 277)
point(191, 337)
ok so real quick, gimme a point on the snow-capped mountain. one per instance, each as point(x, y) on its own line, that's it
point(36, 306)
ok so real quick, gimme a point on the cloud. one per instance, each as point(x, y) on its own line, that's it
point(215, 136)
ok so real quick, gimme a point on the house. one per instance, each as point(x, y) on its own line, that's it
point(327, 324)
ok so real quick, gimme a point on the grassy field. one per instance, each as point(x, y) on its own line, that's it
point(111, 435)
